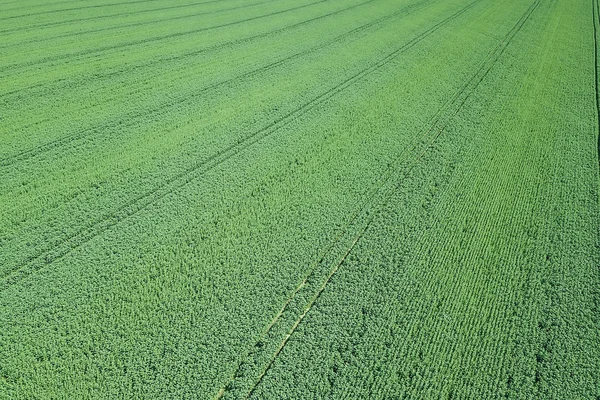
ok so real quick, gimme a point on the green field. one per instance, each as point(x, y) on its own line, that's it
point(269, 199)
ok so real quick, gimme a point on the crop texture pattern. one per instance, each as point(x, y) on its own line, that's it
point(300, 199)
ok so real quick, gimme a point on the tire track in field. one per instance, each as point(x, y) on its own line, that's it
point(80, 8)
point(44, 60)
point(68, 139)
point(139, 23)
point(139, 203)
point(483, 72)
point(133, 119)
point(374, 192)
point(179, 57)
point(442, 119)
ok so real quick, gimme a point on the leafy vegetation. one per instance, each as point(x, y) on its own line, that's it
point(299, 199)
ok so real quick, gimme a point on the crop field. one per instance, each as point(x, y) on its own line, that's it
point(299, 199)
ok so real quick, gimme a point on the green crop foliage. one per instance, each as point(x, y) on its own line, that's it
point(305, 199)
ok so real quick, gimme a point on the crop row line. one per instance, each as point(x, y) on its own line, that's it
point(538, 184)
point(493, 214)
point(12, 67)
point(179, 57)
point(69, 21)
point(133, 24)
point(82, 8)
point(141, 202)
point(163, 108)
point(456, 104)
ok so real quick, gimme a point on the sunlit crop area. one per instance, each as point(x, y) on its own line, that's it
point(299, 199)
